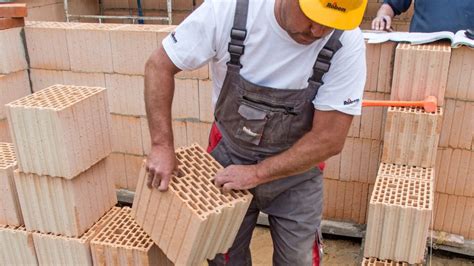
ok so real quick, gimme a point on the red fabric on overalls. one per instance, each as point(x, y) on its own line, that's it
point(214, 137)
point(316, 253)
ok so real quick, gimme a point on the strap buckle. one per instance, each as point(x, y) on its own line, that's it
point(238, 34)
point(236, 49)
point(322, 66)
point(326, 53)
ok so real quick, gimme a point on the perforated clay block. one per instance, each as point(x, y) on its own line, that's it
point(378, 262)
point(16, 246)
point(54, 249)
point(399, 216)
point(61, 130)
point(411, 136)
point(194, 220)
point(10, 212)
point(66, 207)
point(123, 242)
point(407, 172)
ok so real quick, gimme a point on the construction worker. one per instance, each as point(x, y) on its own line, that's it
point(429, 15)
point(288, 77)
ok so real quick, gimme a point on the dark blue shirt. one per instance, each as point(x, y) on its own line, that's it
point(437, 15)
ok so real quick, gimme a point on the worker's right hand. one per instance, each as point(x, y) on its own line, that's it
point(383, 22)
point(161, 164)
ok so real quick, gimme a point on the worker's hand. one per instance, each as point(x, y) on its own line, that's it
point(383, 22)
point(160, 165)
point(237, 177)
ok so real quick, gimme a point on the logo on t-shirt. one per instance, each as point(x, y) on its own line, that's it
point(336, 7)
point(174, 37)
point(349, 101)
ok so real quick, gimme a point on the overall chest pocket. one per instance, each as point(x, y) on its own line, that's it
point(252, 124)
point(264, 122)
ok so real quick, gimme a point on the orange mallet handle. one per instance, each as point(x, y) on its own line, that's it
point(430, 104)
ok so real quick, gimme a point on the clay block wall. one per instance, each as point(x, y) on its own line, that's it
point(123, 242)
point(10, 212)
point(454, 197)
point(60, 131)
point(353, 171)
point(14, 80)
point(185, 224)
point(399, 214)
point(420, 71)
point(12, 51)
point(16, 246)
point(54, 249)
point(454, 214)
point(192, 112)
point(67, 207)
point(411, 136)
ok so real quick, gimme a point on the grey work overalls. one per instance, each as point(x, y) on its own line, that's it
point(257, 122)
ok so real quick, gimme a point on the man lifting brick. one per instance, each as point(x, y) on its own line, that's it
point(288, 77)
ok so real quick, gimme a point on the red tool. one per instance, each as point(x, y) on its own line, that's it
point(430, 104)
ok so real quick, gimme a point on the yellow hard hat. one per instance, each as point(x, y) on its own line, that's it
point(337, 14)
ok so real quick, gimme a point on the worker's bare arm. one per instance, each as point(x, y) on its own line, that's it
point(159, 90)
point(383, 21)
point(326, 139)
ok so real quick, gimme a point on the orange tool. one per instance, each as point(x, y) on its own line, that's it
point(430, 104)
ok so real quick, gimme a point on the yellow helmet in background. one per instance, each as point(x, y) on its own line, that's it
point(338, 14)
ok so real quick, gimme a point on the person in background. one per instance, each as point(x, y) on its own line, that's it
point(429, 15)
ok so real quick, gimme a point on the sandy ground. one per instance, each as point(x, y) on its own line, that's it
point(337, 251)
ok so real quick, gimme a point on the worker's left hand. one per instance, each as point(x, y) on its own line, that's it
point(237, 177)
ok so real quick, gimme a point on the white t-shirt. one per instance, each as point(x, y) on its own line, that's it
point(271, 57)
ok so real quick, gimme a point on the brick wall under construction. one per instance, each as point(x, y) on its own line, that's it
point(352, 173)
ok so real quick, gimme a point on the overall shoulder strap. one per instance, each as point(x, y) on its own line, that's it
point(323, 61)
point(238, 33)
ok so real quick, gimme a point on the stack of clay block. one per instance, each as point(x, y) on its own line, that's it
point(14, 79)
point(350, 176)
point(194, 220)
point(123, 242)
point(61, 137)
point(12, 15)
point(401, 204)
point(63, 250)
point(400, 213)
point(75, 61)
point(16, 245)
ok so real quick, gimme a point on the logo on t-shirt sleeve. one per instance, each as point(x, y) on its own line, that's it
point(174, 37)
point(350, 101)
